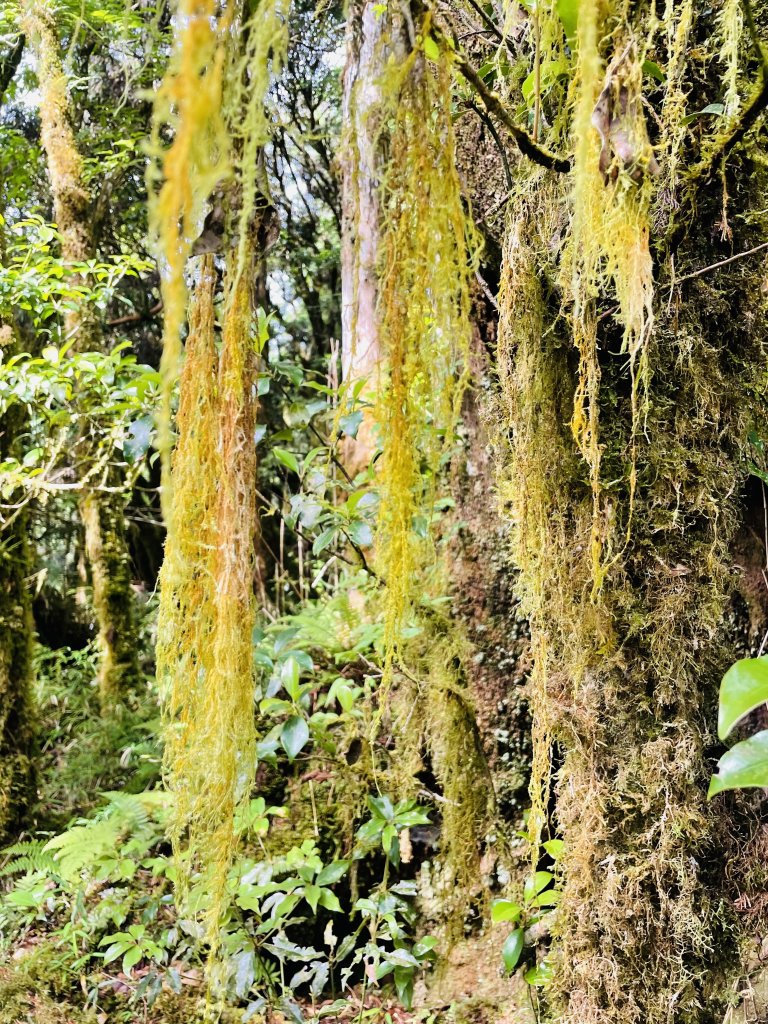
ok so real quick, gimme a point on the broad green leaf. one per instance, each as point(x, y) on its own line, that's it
point(568, 13)
point(350, 424)
point(312, 895)
point(324, 539)
point(742, 766)
point(294, 735)
point(401, 958)
point(288, 459)
point(131, 958)
point(540, 975)
point(744, 688)
point(333, 872)
point(711, 108)
point(289, 676)
point(652, 69)
point(360, 533)
point(513, 949)
point(505, 910)
point(554, 848)
point(330, 901)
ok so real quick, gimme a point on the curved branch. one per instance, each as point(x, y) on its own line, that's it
point(754, 108)
point(493, 104)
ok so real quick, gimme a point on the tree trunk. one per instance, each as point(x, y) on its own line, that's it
point(17, 776)
point(623, 536)
point(101, 512)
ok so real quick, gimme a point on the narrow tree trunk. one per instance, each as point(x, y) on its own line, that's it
point(101, 513)
point(17, 777)
point(368, 46)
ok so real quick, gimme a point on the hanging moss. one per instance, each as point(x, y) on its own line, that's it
point(214, 97)
point(426, 263)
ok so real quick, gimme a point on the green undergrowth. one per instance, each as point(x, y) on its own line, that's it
point(323, 895)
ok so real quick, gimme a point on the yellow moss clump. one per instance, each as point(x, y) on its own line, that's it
point(427, 263)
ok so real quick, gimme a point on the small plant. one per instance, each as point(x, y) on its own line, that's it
point(541, 895)
point(743, 689)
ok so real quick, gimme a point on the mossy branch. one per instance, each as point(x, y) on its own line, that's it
point(493, 104)
point(703, 171)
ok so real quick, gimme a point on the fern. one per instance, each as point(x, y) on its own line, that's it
point(26, 856)
point(82, 846)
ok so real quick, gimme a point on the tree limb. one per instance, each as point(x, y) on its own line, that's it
point(754, 108)
point(492, 103)
point(9, 65)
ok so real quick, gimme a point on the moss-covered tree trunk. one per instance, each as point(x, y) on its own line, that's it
point(626, 499)
point(17, 776)
point(102, 511)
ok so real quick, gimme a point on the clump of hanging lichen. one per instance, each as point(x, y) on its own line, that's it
point(425, 271)
point(626, 673)
point(213, 97)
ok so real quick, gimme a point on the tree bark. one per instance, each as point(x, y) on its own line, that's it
point(101, 513)
point(17, 732)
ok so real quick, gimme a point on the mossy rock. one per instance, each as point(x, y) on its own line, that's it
point(22, 1001)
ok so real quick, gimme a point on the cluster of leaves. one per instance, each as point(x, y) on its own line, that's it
point(88, 412)
point(100, 892)
point(541, 895)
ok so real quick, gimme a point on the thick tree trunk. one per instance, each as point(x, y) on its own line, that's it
point(101, 512)
point(628, 658)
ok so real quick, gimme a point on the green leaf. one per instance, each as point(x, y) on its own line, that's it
point(350, 424)
point(404, 985)
point(513, 949)
point(289, 676)
point(312, 895)
point(294, 735)
point(743, 766)
point(131, 958)
point(331, 873)
point(711, 108)
point(554, 848)
point(360, 533)
point(505, 910)
point(324, 539)
point(568, 13)
point(288, 459)
point(540, 975)
point(330, 901)
point(535, 883)
point(652, 69)
point(115, 950)
point(744, 688)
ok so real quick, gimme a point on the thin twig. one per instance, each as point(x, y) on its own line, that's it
point(722, 263)
point(495, 136)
